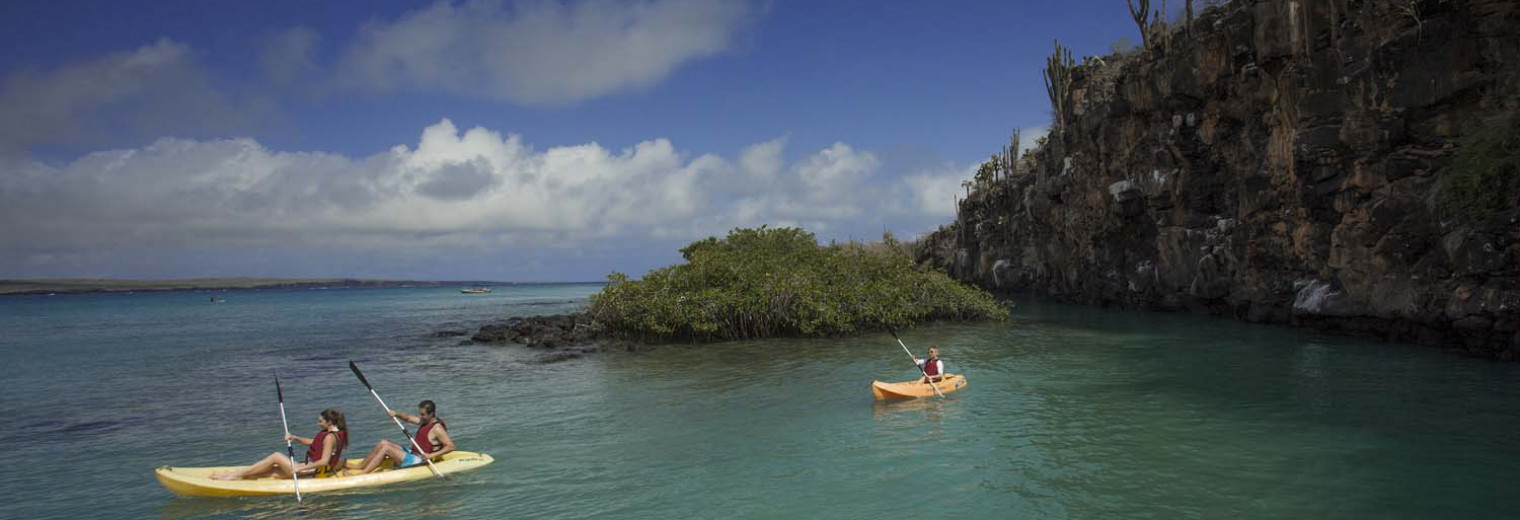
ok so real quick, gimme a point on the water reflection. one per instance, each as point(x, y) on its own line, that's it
point(904, 410)
point(370, 504)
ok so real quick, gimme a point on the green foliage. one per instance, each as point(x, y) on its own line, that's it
point(1484, 176)
point(780, 282)
point(986, 172)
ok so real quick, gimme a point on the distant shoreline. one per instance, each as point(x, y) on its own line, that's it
point(83, 286)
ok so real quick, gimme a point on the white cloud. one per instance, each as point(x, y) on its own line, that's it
point(538, 52)
point(154, 90)
point(934, 192)
point(453, 189)
point(1028, 135)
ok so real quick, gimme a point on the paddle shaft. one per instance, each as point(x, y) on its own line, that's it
point(920, 367)
point(295, 479)
point(408, 434)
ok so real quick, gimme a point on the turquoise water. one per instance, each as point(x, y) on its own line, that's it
point(1070, 413)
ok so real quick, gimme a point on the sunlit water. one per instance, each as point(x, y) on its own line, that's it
point(1070, 413)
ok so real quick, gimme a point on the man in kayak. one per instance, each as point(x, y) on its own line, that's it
point(432, 435)
point(933, 367)
point(323, 458)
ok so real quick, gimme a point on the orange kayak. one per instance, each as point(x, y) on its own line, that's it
point(916, 388)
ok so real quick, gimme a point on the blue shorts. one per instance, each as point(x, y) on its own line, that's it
point(411, 460)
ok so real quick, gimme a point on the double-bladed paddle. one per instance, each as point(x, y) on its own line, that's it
point(295, 479)
point(409, 438)
point(915, 363)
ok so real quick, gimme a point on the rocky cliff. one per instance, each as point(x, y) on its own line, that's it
point(1275, 161)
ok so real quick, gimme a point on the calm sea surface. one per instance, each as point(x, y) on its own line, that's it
point(1070, 413)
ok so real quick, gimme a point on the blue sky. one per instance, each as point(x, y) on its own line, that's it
point(496, 140)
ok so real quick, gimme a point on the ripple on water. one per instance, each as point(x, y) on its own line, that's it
point(1070, 413)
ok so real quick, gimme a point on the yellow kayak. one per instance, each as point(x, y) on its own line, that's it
point(197, 482)
point(916, 388)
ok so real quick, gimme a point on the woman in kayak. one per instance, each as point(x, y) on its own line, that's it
point(322, 459)
point(933, 367)
point(432, 435)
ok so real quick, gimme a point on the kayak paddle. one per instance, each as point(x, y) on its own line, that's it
point(915, 363)
point(409, 438)
point(295, 480)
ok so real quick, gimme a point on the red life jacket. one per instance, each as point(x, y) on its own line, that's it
point(316, 447)
point(422, 437)
point(931, 367)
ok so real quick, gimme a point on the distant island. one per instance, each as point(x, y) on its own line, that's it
point(85, 285)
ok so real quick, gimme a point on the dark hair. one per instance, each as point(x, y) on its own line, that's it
point(429, 407)
point(336, 418)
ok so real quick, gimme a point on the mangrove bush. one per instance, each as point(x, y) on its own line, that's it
point(780, 282)
point(1485, 176)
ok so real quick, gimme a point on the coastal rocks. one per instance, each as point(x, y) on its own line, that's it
point(571, 335)
point(1278, 165)
point(447, 334)
point(540, 331)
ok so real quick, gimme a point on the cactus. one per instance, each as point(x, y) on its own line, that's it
point(1187, 29)
point(1141, 14)
point(1009, 160)
point(1160, 32)
point(1058, 82)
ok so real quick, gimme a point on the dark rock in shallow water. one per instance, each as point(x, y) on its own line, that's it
point(557, 357)
point(497, 333)
point(447, 334)
point(570, 332)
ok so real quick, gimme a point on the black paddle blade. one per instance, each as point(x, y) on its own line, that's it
point(277, 392)
point(362, 379)
point(892, 330)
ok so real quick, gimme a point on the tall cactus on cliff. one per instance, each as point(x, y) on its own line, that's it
point(1009, 160)
point(1058, 82)
point(1187, 30)
point(1141, 14)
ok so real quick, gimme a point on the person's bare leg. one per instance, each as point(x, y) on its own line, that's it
point(392, 452)
point(374, 452)
point(378, 452)
point(263, 467)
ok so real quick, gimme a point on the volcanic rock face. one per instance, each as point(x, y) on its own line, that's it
point(1277, 166)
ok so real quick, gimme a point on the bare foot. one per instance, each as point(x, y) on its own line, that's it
point(352, 472)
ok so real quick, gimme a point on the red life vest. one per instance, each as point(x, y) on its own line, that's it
point(931, 367)
point(316, 447)
point(422, 437)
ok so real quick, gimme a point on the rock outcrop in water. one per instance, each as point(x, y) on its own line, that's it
point(568, 335)
point(1278, 165)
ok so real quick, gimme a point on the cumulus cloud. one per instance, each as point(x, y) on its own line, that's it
point(154, 90)
point(538, 52)
point(1028, 135)
point(452, 188)
point(934, 192)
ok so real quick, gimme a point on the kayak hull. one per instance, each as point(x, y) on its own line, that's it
point(916, 388)
point(197, 482)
